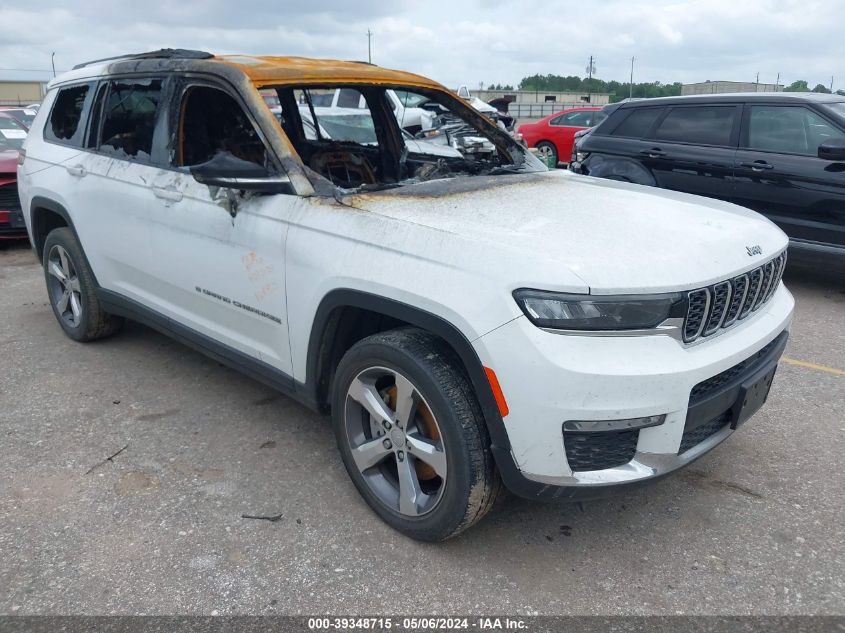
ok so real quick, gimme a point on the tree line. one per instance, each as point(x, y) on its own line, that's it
point(802, 86)
point(619, 90)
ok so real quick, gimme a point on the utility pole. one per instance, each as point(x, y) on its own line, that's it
point(53, 62)
point(631, 89)
point(831, 84)
point(369, 46)
point(590, 70)
point(777, 82)
point(757, 82)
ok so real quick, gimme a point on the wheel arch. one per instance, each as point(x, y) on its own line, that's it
point(44, 216)
point(335, 329)
point(620, 168)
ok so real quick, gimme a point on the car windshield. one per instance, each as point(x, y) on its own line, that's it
point(346, 135)
point(24, 116)
point(356, 128)
point(12, 133)
point(409, 99)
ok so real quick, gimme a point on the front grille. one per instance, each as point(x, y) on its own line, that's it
point(9, 200)
point(714, 383)
point(597, 451)
point(694, 437)
point(719, 306)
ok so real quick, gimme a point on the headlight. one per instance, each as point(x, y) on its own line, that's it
point(590, 312)
point(581, 156)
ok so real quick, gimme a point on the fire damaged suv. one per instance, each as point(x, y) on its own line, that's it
point(467, 320)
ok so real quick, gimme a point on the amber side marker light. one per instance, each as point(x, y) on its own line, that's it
point(497, 391)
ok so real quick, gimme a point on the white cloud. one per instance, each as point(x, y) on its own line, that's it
point(457, 42)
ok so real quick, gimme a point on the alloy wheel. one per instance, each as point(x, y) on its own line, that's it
point(65, 292)
point(395, 441)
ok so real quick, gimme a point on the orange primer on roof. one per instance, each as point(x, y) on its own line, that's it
point(269, 71)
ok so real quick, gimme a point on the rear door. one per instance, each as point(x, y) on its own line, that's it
point(692, 149)
point(113, 182)
point(779, 174)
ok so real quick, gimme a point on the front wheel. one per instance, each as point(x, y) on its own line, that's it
point(412, 435)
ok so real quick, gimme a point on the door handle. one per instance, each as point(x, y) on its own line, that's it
point(757, 165)
point(170, 195)
point(76, 170)
point(654, 152)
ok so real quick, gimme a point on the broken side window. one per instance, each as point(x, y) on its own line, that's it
point(129, 118)
point(213, 123)
point(65, 124)
point(340, 143)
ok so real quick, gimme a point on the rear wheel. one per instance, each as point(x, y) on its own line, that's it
point(71, 289)
point(548, 152)
point(412, 436)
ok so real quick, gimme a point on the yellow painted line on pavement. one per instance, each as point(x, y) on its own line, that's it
point(803, 363)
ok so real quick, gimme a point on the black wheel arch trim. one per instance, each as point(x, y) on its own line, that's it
point(307, 392)
point(342, 298)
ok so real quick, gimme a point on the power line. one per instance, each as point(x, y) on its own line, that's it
point(33, 70)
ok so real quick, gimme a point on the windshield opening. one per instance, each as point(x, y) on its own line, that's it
point(367, 137)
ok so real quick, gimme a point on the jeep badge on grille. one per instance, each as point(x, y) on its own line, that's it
point(754, 250)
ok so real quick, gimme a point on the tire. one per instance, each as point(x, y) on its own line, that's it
point(441, 449)
point(549, 149)
point(71, 289)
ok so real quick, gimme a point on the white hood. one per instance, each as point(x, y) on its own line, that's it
point(614, 237)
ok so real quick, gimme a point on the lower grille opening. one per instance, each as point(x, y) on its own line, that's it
point(694, 437)
point(597, 451)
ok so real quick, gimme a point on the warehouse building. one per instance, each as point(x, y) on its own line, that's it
point(21, 92)
point(720, 87)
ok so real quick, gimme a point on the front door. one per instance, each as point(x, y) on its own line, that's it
point(218, 256)
point(779, 174)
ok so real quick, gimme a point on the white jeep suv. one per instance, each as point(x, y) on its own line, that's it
point(467, 321)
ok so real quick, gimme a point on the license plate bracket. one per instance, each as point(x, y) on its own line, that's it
point(752, 395)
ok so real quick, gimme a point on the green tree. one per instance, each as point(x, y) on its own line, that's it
point(841, 93)
point(797, 86)
point(821, 88)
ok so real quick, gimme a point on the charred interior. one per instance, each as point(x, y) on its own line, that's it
point(371, 137)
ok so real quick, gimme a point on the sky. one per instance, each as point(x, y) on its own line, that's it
point(458, 42)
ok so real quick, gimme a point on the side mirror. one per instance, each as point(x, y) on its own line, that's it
point(229, 172)
point(832, 149)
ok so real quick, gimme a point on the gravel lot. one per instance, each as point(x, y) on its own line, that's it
point(755, 527)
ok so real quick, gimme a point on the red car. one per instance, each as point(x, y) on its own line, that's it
point(12, 135)
point(553, 135)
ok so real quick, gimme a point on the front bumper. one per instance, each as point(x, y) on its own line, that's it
point(549, 378)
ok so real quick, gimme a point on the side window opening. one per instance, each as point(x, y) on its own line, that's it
point(213, 123)
point(704, 125)
point(66, 118)
point(788, 129)
point(129, 118)
point(638, 122)
point(400, 136)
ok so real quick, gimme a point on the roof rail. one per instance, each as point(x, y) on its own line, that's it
point(162, 53)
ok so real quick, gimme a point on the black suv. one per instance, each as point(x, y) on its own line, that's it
point(782, 154)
